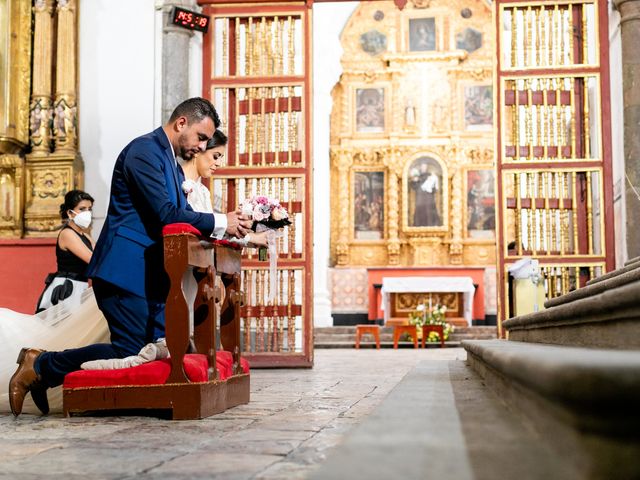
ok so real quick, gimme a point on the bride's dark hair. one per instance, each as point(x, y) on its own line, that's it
point(219, 139)
point(71, 201)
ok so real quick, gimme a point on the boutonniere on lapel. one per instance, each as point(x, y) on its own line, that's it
point(187, 186)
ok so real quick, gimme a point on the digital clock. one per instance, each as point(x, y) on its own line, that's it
point(191, 20)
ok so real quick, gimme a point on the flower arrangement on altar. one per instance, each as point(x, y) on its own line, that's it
point(428, 315)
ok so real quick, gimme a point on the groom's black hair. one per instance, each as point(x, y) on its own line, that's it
point(196, 109)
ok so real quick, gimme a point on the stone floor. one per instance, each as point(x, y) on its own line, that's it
point(288, 429)
point(293, 418)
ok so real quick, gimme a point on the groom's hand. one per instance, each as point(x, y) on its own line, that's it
point(238, 224)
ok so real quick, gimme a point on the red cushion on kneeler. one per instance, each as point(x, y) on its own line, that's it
point(152, 373)
point(224, 362)
point(179, 228)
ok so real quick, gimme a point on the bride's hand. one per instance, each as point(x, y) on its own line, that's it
point(258, 239)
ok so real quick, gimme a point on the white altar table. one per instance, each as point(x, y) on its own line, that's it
point(427, 285)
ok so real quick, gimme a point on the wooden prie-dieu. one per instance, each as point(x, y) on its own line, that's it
point(196, 381)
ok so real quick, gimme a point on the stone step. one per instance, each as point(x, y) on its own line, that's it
point(352, 330)
point(388, 337)
point(344, 337)
point(601, 315)
point(583, 401)
point(383, 344)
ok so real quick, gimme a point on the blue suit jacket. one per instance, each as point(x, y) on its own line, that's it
point(146, 194)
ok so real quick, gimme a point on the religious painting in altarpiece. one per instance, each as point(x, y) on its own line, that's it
point(412, 137)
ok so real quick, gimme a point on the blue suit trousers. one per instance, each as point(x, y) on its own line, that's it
point(133, 322)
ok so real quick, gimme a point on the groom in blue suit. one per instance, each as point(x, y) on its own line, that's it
point(127, 270)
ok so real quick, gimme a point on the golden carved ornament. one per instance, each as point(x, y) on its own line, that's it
point(483, 156)
point(369, 157)
point(398, 60)
point(41, 226)
point(49, 184)
point(393, 251)
point(421, 3)
point(407, 302)
point(477, 74)
point(455, 253)
point(11, 198)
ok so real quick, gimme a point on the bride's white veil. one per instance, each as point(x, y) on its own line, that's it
point(57, 328)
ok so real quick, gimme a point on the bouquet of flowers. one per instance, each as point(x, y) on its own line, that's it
point(265, 212)
point(424, 315)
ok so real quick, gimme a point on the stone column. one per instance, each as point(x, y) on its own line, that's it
point(175, 58)
point(41, 107)
point(630, 34)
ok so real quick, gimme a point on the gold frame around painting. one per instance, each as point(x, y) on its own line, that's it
point(386, 88)
point(405, 31)
point(481, 129)
point(465, 216)
point(444, 186)
point(352, 212)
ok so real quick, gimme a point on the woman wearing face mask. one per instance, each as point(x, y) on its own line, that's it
point(73, 252)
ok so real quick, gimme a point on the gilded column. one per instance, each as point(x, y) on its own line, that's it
point(64, 108)
point(342, 247)
point(15, 86)
point(41, 109)
point(49, 175)
point(455, 249)
point(630, 34)
point(393, 244)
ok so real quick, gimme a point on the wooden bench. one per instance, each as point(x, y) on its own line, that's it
point(433, 328)
point(189, 385)
point(368, 329)
point(399, 330)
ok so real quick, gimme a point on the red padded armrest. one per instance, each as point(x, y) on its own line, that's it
point(179, 229)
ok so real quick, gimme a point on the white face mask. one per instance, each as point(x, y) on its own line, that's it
point(82, 219)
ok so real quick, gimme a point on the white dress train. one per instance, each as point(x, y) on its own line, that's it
point(57, 328)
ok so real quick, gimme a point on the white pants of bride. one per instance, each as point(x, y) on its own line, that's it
point(57, 328)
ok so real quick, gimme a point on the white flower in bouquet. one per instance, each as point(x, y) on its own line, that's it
point(420, 307)
point(247, 209)
point(279, 213)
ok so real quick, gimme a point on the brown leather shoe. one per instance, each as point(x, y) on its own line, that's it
point(26, 379)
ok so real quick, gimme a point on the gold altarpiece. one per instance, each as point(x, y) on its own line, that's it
point(412, 160)
point(39, 160)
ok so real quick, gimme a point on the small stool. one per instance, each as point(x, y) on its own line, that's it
point(398, 330)
point(433, 328)
point(372, 329)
